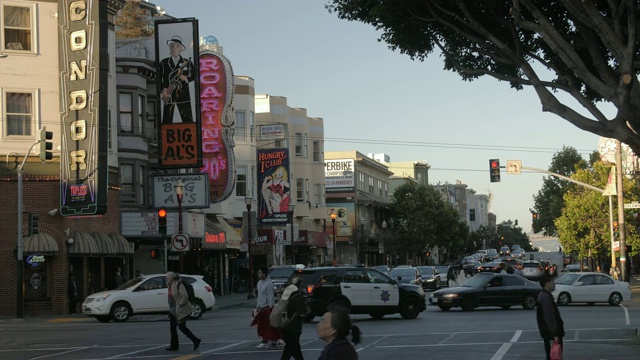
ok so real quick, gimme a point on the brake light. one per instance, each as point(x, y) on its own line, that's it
point(310, 288)
point(540, 268)
point(208, 288)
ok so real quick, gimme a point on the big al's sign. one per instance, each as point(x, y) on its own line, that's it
point(84, 68)
point(216, 109)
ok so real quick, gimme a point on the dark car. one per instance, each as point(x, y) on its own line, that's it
point(279, 276)
point(505, 251)
point(496, 267)
point(488, 289)
point(406, 275)
point(361, 290)
point(515, 263)
point(431, 278)
point(470, 267)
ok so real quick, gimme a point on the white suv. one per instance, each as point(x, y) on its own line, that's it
point(145, 295)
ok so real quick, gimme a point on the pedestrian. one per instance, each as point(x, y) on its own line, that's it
point(550, 323)
point(334, 328)
point(296, 311)
point(264, 305)
point(138, 273)
point(451, 277)
point(73, 294)
point(118, 279)
point(179, 311)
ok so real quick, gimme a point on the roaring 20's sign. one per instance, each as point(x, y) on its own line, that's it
point(83, 106)
point(216, 109)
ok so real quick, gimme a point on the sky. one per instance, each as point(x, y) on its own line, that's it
point(374, 100)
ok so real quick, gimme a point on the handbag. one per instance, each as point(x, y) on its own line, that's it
point(556, 351)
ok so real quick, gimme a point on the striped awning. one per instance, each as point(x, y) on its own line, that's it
point(123, 246)
point(83, 244)
point(106, 246)
point(40, 243)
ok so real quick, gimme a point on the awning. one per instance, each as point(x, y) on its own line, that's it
point(105, 245)
point(123, 246)
point(40, 243)
point(233, 238)
point(83, 244)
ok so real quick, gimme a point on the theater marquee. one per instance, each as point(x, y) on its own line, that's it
point(83, 105)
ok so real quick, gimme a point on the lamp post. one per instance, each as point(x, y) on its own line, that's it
point(292, 207)
point(335, 246)
point(179, 189)
point(384, 252)
point(248, 200)
point(362, 241)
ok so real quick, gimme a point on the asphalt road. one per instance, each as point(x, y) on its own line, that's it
point(593, 332)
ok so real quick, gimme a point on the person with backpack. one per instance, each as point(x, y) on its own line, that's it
point(264, 304)
point(296, 310)
point(179, 311)
point(550, 322)
point(334, 328)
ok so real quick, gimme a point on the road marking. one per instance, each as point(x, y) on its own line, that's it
point(576, 337)
point(135, 352)
point(626, 314)
point(516, 336)
point(226, 347)
point(60, 353)
point(373, 343)
point(448, 338)
point(502, 351)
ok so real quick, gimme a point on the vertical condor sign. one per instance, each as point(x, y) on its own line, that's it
point(83, 105)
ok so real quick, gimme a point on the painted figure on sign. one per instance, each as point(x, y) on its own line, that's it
point(275, 191)
point(175, 75)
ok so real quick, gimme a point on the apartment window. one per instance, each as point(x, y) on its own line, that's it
point(241, 181)
point(140, 119)
point(126, 112)
point(109, 131)
point(371, 185)
point(253, 180)
point(386, 190)
point(241, 126)
point(142, 171)
point(300, 189)
point(305, 146)
point(380, 188)
point(299, 144)
point(150, 128)
point(251, 126)
point(20, 113)
point(126, 182)
point(361, 181)
point(318, 195)
point(306, 190)
point(280, 143)
point(317, 151)
point(18, 33)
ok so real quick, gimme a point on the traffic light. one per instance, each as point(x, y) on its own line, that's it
point(616, 229)
point(494, 170)
point(156, 254)
point(45, 145)
point(162, 221)
point(33, 224)
point(534, 216)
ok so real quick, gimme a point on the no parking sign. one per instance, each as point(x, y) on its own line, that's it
point(180, 242)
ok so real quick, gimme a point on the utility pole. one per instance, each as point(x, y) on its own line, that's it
point(623, 259)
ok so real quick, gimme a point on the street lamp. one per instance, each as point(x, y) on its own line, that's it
point(248, 200)
point(179, 189)
point(292, 207)
point(335, 246)
point(384, 229)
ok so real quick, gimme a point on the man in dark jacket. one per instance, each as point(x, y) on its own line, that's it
point(296, 311)
point(550, 323)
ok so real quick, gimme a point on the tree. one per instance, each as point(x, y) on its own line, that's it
point(548, 203)
point(132, 21)
point(585, 50)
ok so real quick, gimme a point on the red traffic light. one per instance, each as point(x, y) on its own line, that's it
point(162, 213)
point(495, 164)
point(154, 253)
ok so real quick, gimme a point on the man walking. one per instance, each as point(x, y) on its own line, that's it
point(73, 294)
point(550, 323)
point(264, 305)
point(179, 311)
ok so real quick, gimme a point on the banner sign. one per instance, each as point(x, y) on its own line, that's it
point(339, 175)
point(216, 107)
point(273, 186)
point(178, 89)
point(196, 191)
point(272, 132)
point(84, 67)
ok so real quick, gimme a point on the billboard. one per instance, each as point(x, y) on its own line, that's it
point(84, 67)
point(339, 175)
point(273, 186)
point(345, 218)
point(178, 89)
point(196, 189)
point(216, 108)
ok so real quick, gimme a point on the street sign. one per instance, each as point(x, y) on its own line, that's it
point(180, 242)
point(633, 205)
point(514, 167)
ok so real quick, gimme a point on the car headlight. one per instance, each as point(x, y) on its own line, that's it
point(450, 296)
point(420, 290)
point(102, 298)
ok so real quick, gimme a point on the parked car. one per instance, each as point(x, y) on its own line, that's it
point(382, 268)
point(590, 287)
point(532, 269)
point(496, 267)
point(406, 275)
point(279, 276)
point(360, 289)
point(505, 251)
point(430, 277)
point(145, 295)
point(488, 289)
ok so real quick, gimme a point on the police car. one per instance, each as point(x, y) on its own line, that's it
point(362, 290)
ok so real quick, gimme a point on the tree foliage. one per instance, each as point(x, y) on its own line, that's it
point(132, 21)
point(587, 51)
point(549, 201)
point(423, 219)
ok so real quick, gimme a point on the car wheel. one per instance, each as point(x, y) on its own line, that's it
point(377, 315)
point(197, 309)
point(444, 307)
point(615, 299)
point(103, 318)
point(564, 299)
point(468, 304)
point(410, 308)
point(120, 311)
point(529, 302)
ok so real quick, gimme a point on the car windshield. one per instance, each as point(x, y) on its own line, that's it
point(477, 281)
point(425, 270)
point(129, 284)
point(402, 272)
point(442, 269)
point(567, 279)
point(281, 272)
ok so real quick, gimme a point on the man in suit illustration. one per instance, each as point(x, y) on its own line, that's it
point(175, 74)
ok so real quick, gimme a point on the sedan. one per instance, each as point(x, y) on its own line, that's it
point(533, 270)
point(147, 294)
point(406, 275)
point(487, 289)
point(443, 270)
point(590, 288)
point(496, 267)
point(430, 277)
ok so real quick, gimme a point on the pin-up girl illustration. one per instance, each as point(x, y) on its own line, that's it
point(275, 191)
